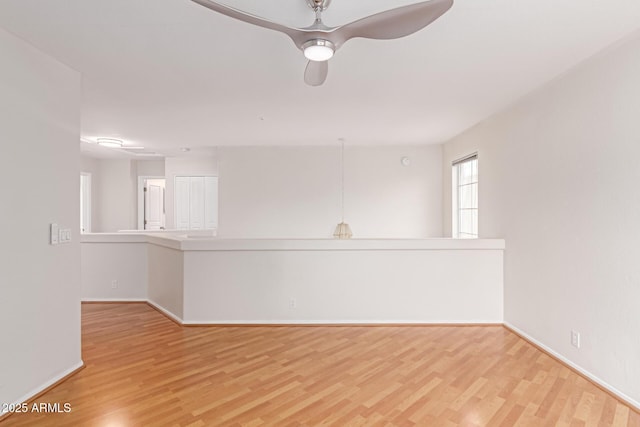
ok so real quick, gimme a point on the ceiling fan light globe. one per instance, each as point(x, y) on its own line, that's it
point(318, 50)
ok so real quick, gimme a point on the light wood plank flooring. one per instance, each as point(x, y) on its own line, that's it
point(144, 370)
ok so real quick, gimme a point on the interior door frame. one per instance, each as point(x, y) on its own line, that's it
point(86, 206)
point(141, 181)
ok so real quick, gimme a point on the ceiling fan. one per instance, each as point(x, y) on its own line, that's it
point(319, 42)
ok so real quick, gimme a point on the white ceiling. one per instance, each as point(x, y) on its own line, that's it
point(170, 73)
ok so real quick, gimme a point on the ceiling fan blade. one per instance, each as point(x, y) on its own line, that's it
point(394, 23)
point(316, 72)
point(391, 24)
point(294, 33)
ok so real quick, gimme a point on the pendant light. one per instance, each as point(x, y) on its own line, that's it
point(343, 231)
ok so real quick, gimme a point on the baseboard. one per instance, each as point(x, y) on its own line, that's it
point(165, 312)
point(113, 300)
point(55, 381)
point(334, 323)
point(634, 404)
point(288, 322)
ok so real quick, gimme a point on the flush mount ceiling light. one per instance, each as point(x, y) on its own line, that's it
point(110, 142)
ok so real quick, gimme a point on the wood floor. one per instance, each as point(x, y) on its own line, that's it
point(144, 370)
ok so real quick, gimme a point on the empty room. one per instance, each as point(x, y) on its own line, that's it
point(319, 212)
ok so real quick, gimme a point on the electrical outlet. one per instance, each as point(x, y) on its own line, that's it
point(114, 284)
point(293, 303)
point(575, 339)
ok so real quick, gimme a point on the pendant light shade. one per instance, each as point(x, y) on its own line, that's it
point(343, 231)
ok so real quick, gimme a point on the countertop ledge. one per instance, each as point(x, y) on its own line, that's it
point(205, 243)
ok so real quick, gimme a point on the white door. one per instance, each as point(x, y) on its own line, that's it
point(196, 200)
point(196, 203)
point(154, 212)
point(182, 189)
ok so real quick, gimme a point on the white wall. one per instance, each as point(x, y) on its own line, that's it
point(340, 286)
point(559, 181)
point(292, 192)
point(184, 166)
point(166, 275)
point(104, 263)
point(332, 281)
point(117, 195)
point(39, 175)
point(288, 192)
point(149, 167)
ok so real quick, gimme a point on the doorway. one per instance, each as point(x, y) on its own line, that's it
point(151, 203)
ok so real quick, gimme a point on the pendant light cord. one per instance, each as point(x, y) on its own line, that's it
point(342, 179)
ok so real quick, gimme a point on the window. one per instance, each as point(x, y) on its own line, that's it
point(465, 198)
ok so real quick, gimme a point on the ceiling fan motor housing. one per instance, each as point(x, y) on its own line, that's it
point(319, 4)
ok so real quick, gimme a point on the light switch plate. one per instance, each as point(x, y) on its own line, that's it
point(65, 235)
